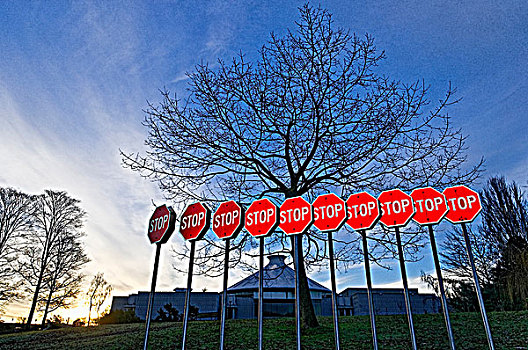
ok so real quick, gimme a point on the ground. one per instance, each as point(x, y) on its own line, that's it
point(510, 331)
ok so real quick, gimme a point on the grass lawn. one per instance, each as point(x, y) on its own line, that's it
point(509, 329)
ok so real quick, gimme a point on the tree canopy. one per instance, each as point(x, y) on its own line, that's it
point(309, 115)
point(50, 247)
point(500, 247)
point(16, 217)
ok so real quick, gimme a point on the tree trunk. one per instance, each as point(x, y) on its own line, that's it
point(46, 309)
point(90, 312)
point(52, 289)
point(35, 295)
point(308, 318)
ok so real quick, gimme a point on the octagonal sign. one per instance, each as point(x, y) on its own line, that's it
point(195, 221)
point(228, 220)
point(430, 206)
point(464, 204)
point(396, 208)
point(329, 212)
point(161, 224)
point(262, 218)
point(296, 216)
point(363, 211)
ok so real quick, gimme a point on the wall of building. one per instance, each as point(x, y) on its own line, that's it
point(207, 303)
point(244, 305)
point(277, 303)
point(386, 302)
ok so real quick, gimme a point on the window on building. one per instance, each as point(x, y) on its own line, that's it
point(283, 308)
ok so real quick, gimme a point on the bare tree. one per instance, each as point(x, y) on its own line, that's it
point(16, 210)
point(57, 216)
point(63, 279)
point(310, 115)
point(500, 245)
point(454, 255)
point(97, 293)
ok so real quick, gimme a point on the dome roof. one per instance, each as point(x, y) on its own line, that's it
point(277, 275)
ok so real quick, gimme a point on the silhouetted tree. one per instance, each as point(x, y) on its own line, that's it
point(16, 216)
point(99, 290)
point(62, 282)
point(505, 224)
point(57, 216)
point(169, 314)
point(500, 246)
point(454, 255)
point(119, 316)
point(309, 116)
point(511, 274)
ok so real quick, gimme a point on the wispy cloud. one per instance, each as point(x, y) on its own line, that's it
point(74, 79)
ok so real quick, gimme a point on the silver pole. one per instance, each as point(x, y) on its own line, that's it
point(152, 292)
point(297, 244)
point(405, 288)
point(261, 294)
point(369, 291)
point(441, 287)
point(334, 294)
point(477, 287)
point(188, 294)
point(224, 294)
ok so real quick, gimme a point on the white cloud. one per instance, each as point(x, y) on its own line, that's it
point(118, 202)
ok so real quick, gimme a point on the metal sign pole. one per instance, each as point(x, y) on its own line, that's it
point(334, 294)
point(477, 287)
point(405, 288)
point(369, 290)
point(261, 294)
point(188, 294)
point(224, 294)
point(297, 244)
point(441, 287)
point(151, 296)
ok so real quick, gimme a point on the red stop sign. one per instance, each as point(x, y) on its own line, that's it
point(161, 224)
point(262, 218)
point(195, 221)
point(227, 220)
point(430, 206)
point(363, 211)
point(296, 216)
point(464, 204)
point(396, 208)
point(329, 212)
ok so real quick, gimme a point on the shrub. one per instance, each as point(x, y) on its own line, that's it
point(119, 316)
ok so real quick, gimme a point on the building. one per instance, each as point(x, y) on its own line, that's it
point(208, 303)
point(354, 301)
point(279, 298)
point(279, 293)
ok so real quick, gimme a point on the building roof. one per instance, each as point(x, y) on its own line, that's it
point(352, 290)
point(277, 275)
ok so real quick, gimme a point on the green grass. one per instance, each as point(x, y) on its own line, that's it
point(510, 331)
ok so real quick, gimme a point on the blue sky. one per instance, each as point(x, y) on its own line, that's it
point(75, 77)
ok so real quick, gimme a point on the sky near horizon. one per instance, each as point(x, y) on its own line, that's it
point(75, 78)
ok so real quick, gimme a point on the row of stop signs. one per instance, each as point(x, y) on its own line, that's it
point(328, 212)
point(361, 211)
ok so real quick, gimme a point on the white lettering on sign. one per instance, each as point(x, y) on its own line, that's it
point(363, 209)
point(260, 217)
point(226, 219)
point(297, 214)
point(462, 202)
point(397, 206)
point(331, 211)
point(158, 223)
point(192, 220)
point(428, 204)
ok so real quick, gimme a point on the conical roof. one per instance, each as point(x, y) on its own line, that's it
point(277, 275)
